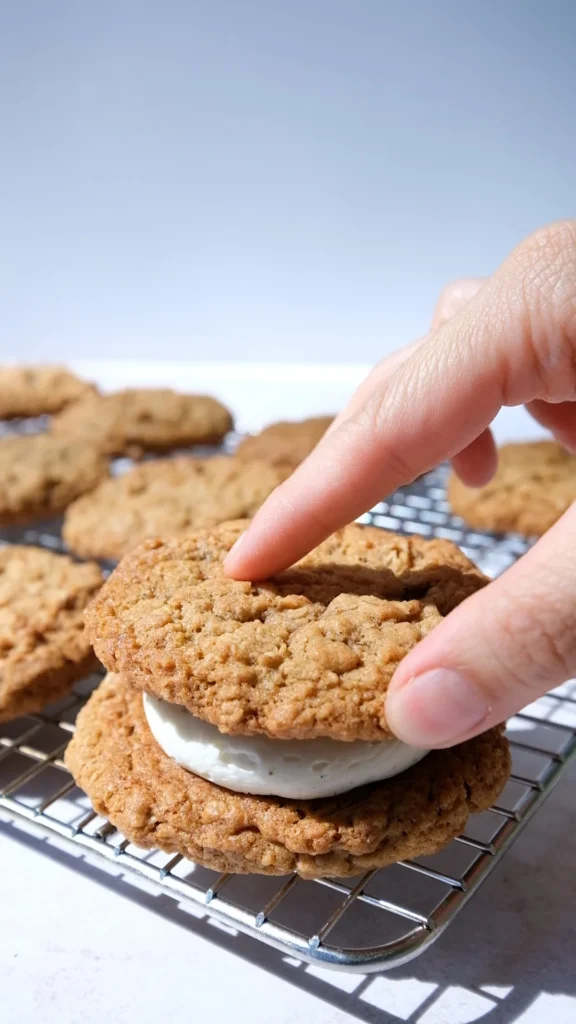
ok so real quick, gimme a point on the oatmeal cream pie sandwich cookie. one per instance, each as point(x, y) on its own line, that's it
point(244, 725)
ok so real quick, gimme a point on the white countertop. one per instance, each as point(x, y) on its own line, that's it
point(77, 945)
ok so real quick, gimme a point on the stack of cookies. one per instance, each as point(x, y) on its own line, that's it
point(244, 725)
point(241, 725)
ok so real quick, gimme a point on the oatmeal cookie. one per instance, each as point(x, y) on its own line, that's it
point(156, 803)
point(168, 497)
point(40, 475)
point(308, 653)
point(43, 647)
point(285, 443)
point(136, 421)
point(534, 485)
point(36, 390)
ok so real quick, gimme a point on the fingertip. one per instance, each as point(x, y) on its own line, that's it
point(267, 545)
point(477, 463)
point(559, 419)
point(254, 556)
point(232, 564)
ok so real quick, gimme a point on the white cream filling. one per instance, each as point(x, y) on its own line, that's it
point(296, 769)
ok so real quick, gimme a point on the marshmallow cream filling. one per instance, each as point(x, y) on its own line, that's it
point(295, 769)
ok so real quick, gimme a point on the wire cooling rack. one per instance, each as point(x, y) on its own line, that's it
point(371, 923)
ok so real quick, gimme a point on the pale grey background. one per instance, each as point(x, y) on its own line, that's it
point(263, 179)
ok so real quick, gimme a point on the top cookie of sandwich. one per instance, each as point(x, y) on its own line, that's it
point(534, 485)
point(308, 653)
point(36, 390)
point(135, 421)
point(285, 443)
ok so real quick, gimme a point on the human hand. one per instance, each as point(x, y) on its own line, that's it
point(508, 341)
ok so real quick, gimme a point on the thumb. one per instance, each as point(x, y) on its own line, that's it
point(494, 654)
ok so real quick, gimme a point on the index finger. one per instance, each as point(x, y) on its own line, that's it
point(496, 351)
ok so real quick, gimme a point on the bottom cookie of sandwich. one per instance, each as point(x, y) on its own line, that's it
point(156, 803)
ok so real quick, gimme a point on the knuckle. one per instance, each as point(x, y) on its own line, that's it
point(547, 250)
point(543, 269)
point(371, 425)
point(446, 297)
point(399, 462)
point(453, 298)
point(547, 260)
point(538, 633)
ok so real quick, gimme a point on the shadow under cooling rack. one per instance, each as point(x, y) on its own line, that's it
point(374, 922)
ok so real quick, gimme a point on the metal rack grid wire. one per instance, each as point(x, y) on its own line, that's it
point(380, 919)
